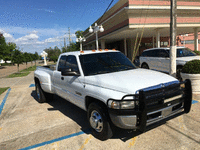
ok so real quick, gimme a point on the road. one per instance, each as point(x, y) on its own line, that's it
point(59, 125)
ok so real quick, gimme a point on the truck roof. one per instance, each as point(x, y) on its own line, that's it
point(84, 52)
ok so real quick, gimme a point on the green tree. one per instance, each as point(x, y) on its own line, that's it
point(53, 54)
point(36, 57)
point(10, 48)
point(64, 49)
point(32, 56)
point(3, 47)
point(27, 58)
point(73, 47)
point(17, 58)
point(79, 33)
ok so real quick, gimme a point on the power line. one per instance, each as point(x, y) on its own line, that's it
point(105, 11)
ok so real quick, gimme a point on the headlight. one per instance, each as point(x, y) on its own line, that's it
point(127, 104)
point(121, 104)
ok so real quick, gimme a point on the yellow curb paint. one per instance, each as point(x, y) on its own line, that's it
point(0, 129)
point(132, 143)
point(86, 141)
point(181, 121)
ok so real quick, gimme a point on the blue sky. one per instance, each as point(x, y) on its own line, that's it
point(38, 24)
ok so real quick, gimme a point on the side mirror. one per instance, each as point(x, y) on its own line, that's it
point(69, 72)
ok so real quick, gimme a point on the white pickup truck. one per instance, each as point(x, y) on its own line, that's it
point(113, 91)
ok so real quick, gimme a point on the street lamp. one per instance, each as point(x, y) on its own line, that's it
point(95, 29)
point(80, 39)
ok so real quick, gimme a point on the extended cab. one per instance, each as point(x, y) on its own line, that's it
point(113, 91)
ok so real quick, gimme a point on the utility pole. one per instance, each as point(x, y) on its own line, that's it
point(173, 17)
point(64, 43)
point(69, 35)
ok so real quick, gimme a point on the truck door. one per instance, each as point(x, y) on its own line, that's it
point(71, 86)
point(57, 75)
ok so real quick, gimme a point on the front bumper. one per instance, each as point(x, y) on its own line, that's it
point(151, 109)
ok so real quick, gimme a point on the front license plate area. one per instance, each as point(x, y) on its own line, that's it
point(166, 112)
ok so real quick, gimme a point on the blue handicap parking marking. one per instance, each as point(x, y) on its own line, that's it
point(32, 85)
point(4, 100)
point(194, 102)
point(52, 141)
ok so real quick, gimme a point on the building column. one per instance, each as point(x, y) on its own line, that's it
point(125, 47)
point(102, 44)
point(130, 45)
point(196, 41)
point(157, 38)
point(153, 42)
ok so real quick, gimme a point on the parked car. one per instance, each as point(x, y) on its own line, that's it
point(158, 59)
point(113, 91)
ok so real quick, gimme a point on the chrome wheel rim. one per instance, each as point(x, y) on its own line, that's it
point(96, 121)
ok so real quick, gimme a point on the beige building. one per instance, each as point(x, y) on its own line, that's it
point(134, 25)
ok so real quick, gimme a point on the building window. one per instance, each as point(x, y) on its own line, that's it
point(164, 44)
point(189, 42)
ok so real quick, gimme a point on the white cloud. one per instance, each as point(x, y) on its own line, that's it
point(8, 37)
point(31, 39)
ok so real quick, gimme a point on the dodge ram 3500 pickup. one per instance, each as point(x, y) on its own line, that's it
point(113, 91)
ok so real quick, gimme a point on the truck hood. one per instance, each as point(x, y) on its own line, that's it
point(186, 59)
point(129, 81)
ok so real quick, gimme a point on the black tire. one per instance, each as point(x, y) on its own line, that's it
point(145, 66)
point(178, 73)
point(41, 95)
point(99, 122)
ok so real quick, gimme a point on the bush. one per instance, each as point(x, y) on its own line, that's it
point(192, 67)
point(197, 52)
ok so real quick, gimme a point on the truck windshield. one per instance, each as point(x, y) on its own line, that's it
point(108, 62)
point(184, 52)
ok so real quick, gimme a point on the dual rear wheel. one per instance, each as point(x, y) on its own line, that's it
point(41, 95)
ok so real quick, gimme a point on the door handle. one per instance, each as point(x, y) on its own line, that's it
point(62, 78)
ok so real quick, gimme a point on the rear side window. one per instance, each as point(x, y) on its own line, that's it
point(68, 62)
point(62, 63)
point(150, 53)
point(72, 63)
point(163, 53)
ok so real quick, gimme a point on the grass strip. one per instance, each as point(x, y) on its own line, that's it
point(33, 68)
point(20, 74)
point(3, 90)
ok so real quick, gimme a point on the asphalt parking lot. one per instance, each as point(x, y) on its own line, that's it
point(59, 125)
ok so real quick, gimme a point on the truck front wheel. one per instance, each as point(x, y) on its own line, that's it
point(98, 119)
